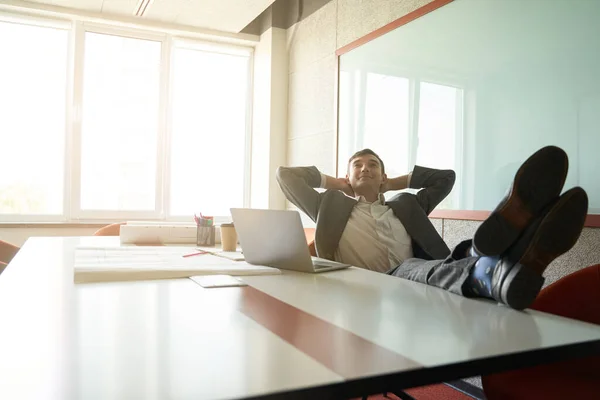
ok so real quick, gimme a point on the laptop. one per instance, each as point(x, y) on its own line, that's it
point(275, 238)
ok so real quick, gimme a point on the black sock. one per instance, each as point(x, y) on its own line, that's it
point(479, 282)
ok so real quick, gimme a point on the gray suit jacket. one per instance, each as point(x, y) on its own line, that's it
point(331, 209)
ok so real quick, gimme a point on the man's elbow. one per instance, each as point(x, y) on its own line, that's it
point(451, 176)
point(284, 175)
point(450, 179)
point(281, 173)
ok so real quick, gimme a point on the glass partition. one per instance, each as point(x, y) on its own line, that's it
point(477, 86)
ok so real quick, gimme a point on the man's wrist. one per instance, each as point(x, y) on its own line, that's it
point(399, 183)
point(329, 182)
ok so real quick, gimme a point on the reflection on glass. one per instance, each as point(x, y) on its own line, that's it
point(439, 130)
point(529, 77)
point(209, 94)
point(345, 121)
point(589, 143)
point(33, 72)
point(386, 121)
point(121, 88)
point(374, 113)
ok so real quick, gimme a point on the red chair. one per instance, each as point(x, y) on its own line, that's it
point(310, 239)
point(575, 296)
point(7, 251)
point(110, 230)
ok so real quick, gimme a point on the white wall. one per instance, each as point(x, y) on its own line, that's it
point(261, 121)
point(269, 119)
point(279, 114)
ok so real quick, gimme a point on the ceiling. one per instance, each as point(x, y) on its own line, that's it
point(223, 15)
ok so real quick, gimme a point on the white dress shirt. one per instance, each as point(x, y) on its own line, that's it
point(374, 238)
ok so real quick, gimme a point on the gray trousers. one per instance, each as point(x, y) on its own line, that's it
point(449, 274)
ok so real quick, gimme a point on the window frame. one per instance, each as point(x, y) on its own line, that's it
point(77, 28)
point(357, 78)
point(76, 212)
point(65, 25)
point(415, 104)
point(230, 49)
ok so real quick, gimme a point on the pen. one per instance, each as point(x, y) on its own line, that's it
point(196, 254)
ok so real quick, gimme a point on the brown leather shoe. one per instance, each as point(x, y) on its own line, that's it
point(517, 277)
point(537, 183)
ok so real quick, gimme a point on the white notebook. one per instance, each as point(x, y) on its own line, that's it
point(157, 233)
point(104, 264)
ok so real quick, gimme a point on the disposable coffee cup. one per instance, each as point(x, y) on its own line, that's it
point(228, 237)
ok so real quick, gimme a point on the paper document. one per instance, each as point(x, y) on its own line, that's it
point(230, 255)
point(217, 281)
point(101, 264)
point(236, 255)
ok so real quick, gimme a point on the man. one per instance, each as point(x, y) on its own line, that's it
point(504, 261)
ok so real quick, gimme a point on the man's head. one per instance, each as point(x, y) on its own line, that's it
point(366, 172)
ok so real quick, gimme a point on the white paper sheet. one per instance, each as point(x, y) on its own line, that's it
point(94, 264)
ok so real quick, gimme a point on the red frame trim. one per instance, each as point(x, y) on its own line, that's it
point(419, 12)
point(473, 215)
point(592, 220)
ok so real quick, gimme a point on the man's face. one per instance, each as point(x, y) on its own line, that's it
point(364, 173)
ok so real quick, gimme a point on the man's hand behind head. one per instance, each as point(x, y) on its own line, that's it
point(339, 184)
point(345, 187)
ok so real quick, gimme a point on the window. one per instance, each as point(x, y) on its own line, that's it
point(438, 125)
point(208, 143)
point(119, 129)
point(405, 120)
point(386, 121)
point(100, 122)
point(439, 131)
point(383, 126)
point(33, 82)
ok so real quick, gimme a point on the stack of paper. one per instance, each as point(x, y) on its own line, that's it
point(103, 264)
point(230, 255)
point(155, 233)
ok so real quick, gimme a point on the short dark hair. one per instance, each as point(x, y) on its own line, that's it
point(367, 152)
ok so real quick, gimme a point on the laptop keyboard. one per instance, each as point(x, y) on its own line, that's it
point(323, 263)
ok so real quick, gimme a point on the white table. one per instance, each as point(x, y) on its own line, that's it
point(330, 335)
